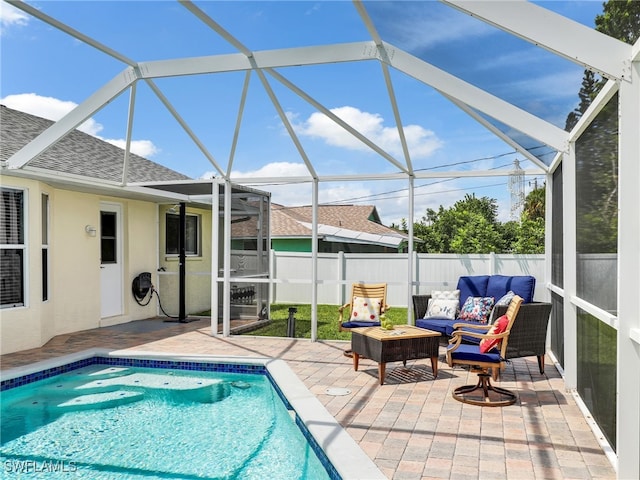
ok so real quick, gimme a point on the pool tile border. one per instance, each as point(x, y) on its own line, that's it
point(132, 362)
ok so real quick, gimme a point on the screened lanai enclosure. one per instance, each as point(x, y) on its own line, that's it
point(247, 242)
point(319, 102)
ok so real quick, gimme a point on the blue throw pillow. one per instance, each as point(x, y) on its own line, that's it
point(505, 300)
point(476, 309)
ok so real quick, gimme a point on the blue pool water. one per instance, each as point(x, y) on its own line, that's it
point(119, 421)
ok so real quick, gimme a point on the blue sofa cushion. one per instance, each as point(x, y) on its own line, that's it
point(441, 325)
point(472, 353)
point(473, 286)
point(359, 324)
point(523, 285)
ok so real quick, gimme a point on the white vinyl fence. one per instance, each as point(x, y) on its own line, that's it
point(291, 273)
point(290, 281)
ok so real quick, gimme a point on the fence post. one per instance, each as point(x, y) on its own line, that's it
point(416, 273)
point(341, 279)
point(272, 274)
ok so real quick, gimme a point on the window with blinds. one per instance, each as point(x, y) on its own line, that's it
point(12, 247)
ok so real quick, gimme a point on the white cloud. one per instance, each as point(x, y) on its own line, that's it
point(285, 194)
point(275, 169)
point(421, 142)
point(49, 108)
point(54, 109)
point(144, 148)
point(11, 16)
point(295, 194)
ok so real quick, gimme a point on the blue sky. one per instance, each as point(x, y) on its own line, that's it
point(47, 73)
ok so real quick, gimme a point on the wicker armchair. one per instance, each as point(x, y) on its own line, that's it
point(528, 334)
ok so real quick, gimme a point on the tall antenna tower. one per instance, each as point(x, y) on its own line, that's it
point(516, 189)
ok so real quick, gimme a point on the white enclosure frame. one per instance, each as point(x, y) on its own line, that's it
point(615, 60)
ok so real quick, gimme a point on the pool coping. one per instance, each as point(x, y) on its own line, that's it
point(341, 449)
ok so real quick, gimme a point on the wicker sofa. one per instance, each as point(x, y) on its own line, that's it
point(529, 331)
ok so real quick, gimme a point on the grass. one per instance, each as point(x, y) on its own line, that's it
point(327, 321)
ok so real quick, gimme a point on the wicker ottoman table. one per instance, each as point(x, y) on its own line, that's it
point(400, 344)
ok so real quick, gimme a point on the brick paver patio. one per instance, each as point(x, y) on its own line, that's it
point(411, 426)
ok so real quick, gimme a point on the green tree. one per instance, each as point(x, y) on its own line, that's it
point(620, 19)
point(597, 147)
point(469, 226)
point(590, 88)
point(527, 235)
point(509, 231)
point(534, 204)
point(530, 236)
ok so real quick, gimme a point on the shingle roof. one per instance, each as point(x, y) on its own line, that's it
point(77, 153)
point(293, 221)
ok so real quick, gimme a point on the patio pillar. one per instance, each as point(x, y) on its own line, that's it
point(314, 262)
point(570, 269)
point(182, 315)
point(410, 255)
point(215, 253)
point(628, 361)
point(226, 286)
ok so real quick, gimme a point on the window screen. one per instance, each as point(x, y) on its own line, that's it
point(597, 210)
point(557, 230)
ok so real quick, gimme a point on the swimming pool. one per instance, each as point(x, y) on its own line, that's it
point(210, 398)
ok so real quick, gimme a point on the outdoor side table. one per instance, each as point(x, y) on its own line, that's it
point(400, 344)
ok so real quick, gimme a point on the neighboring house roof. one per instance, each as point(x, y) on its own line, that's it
point(78, 153)
point(336, 223)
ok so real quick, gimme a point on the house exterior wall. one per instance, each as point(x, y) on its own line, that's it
point(291, 245)
point(75, 262)
point(140, 234)
point(25, 327)
point(198, 268)
point(74, 300)
point(304, 245)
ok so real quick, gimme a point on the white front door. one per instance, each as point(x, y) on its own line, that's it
point(110, 259)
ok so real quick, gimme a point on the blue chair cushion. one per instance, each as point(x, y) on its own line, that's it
point(359, 324)
point(470, 339)
point(523, 285)
point(471, 353)
point(450, 328)
point(473, 286)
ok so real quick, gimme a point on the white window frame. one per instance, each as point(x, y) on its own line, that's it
point(22, 247)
